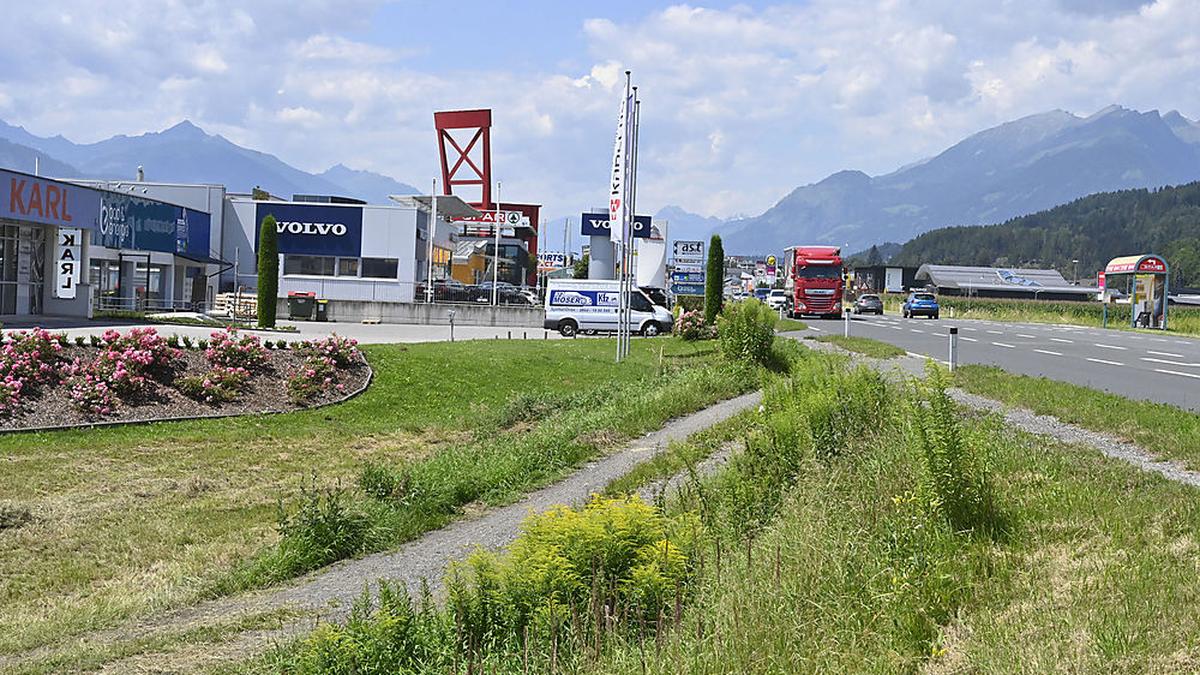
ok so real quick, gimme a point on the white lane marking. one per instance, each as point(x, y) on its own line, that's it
point(1183, 342)
point(1026, 335)
point(916, 331)
point(1097, 344)
point(919, 356)
point(814, 328)
point(1175, 372)
point(996, 332)
point(1107, 363)
point(1070, 342)
point(1001, 344)
point(1047, 351)
point(968, 339)
point(1167, 354)
point(1171, 363)
point(970, 329)
point(896, 327)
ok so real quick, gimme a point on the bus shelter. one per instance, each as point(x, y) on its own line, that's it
point(1148, 287)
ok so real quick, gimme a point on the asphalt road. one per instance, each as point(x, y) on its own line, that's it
point(1132, 364)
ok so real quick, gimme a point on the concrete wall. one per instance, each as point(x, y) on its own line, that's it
point(398, 312)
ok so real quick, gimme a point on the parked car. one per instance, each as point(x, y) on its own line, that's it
point(762, 293)
point(920, 304)
point(506, 294)
point(868, 303)
point(777, 299)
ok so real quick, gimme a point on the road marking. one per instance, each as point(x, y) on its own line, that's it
point(964, 337)
point(1175, 372)
point(1047, 351)
point(1171, 363)
point(1183, 342)
point(1167, 354)
point(1070, 342)
point(896, 327)
point(1097, 344)
point(1107, 363)
point(970, 329)
point(1001, 344)
point(814, 328)
point(916, 331)
point(996, 332)
point(1025, 335)
point(919, 356)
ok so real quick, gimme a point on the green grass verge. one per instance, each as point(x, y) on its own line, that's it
point(1182, 320)
point(130, 520)
point(866, 346)
point(1165, 430)
point(789, 325)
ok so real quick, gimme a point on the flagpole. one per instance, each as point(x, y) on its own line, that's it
point(633, 163)
point(622, 213)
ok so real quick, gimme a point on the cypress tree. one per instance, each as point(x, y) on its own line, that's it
point(268, 271)
point(714, 279)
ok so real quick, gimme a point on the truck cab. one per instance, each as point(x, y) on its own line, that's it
point(815, 280)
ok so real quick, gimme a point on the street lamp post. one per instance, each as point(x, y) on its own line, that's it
point(1075, 271)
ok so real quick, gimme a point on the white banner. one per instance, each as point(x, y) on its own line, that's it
point(616, 198)
point(68, 261)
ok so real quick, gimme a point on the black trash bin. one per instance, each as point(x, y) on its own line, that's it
point(300, 304)
point(322, 310)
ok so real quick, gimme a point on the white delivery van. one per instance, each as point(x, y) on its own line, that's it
point(574, 305)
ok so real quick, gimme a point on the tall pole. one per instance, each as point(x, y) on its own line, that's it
point(633, 162)
point(429, 255)
point(622, 293)
point(496, 250)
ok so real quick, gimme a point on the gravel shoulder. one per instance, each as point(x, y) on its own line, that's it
point(327, 595)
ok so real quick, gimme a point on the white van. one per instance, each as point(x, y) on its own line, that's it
point(573, 305)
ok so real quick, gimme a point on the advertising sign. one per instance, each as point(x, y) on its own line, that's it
point(130, 222)
point(597, 224)
point(687, 289)
point(48, 202)
point(584, 298)
point(314, 229)
point(1100, 280)
point(687, 277)
point(688, 252)
point(68, 243)
point(551, 260)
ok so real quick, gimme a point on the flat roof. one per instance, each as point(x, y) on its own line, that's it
point(1009, 279)
point(448, 206)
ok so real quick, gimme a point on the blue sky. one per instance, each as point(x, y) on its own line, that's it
point(742, 101)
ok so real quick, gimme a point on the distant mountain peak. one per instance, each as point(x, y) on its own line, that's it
point(185, 130)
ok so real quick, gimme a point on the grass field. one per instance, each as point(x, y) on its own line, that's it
point(788, 325)
point(1165, 430)
point(1181, 319)
point(931, 540)
point(131, 520)
point(866, 346)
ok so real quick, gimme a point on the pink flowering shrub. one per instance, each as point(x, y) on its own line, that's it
point(28, 360)
point(216, 386)
point(10, 393)
point(343, 351)
point(89, 392)
point(128, 363)
point(316, 375)
point(228, 349)
point(691, 326)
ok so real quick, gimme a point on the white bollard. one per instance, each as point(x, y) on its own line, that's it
point(953, 348)
point(847, 331)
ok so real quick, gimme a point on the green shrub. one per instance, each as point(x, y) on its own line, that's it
point(268, 271)
point(714, 280)
point(746, 331)
point(322, 530)
point(956, 470)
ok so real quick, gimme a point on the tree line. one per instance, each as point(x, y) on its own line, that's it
point(1092, 230)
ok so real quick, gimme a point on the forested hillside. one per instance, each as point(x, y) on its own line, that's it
point(1092, 230)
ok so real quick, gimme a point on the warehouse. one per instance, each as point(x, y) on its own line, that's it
point(995, 282)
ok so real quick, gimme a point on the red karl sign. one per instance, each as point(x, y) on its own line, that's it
point(35, 198)
point(1152, 265)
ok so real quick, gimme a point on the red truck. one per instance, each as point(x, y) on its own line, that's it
point(815, 280)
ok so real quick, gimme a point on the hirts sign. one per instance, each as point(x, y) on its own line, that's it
point(314, 229)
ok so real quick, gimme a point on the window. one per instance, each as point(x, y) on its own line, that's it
point(380, 268)
point(312, 265)
point(347, 267)
point(819, 272)
point(639, 303)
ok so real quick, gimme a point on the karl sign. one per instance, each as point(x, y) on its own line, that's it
point(67, 259)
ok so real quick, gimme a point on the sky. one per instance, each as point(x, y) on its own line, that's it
point(742, 102)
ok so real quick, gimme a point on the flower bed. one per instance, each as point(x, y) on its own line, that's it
point(47, 381)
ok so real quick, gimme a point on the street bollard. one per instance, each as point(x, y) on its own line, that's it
point(953, 348)
point(510, 335)
point(452, 325)
point(524, 335)
point(847, 328)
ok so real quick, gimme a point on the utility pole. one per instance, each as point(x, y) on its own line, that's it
point(1075, 271)
point(429, 255)
point(496, 251)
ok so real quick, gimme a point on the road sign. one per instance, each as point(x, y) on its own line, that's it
point(687, 289)
point(699, 269)
point(691, 250)
point(687, 277)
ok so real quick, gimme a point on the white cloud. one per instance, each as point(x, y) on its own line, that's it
point(740, 105)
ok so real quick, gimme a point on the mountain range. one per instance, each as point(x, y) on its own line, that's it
point(1017, 168)
point(185, 153)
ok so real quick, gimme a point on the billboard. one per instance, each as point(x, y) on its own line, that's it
point(688, 252)
point(128, 222)
point(314, 229)
point(551, 260)
point(596, 225)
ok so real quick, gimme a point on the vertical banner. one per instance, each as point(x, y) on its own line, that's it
point(616, 197)
point(67, 261)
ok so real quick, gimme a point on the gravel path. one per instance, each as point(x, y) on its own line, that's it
point(1026, 420)
point(327, 595)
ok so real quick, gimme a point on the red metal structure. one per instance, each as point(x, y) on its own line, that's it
point(480, 122)
point(815, 278)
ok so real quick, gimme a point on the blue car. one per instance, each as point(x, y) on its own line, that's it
point(920, 304)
